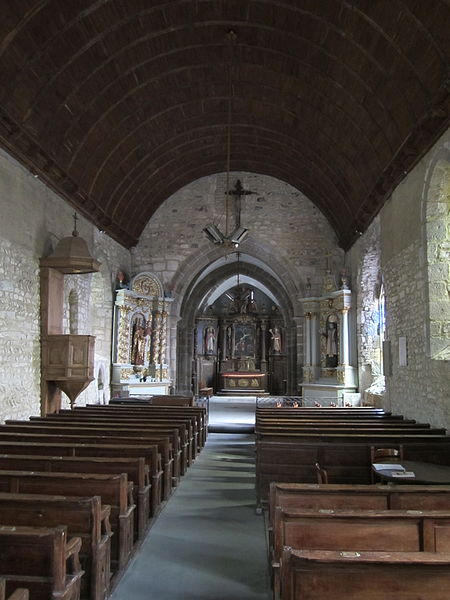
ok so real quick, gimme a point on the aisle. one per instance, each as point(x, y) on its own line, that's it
point(207, 544)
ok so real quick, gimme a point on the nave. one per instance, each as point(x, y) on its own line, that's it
point(207, 543)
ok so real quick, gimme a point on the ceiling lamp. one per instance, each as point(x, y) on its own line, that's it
point(212, 232)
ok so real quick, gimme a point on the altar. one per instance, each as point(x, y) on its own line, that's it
point(243, 382)
point(140, 365)
point(329, 371)
point(240, 344)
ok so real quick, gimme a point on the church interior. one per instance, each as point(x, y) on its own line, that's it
point(241, 203)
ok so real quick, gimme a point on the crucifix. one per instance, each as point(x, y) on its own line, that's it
point(238, 191)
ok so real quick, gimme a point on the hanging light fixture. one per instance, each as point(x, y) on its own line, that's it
point(212, 232)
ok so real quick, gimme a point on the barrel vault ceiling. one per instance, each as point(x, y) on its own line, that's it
point(116, 104)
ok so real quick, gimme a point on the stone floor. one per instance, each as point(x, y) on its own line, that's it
point(208, 543)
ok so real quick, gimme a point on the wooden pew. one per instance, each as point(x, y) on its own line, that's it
point(181, 444)
point(157, 416)
point(85, 518)
point(96, 437)
point(135, 469)
point(166, 439)
point(344, 429)
point(42, 560)
point(304, 496)
point(187, 423)
point(114, 490)
point(139, 409)
point(68, 448)
point(158, 400)
point(333, 575)
point(358, 530)
point(346, 458)
point(18, 594)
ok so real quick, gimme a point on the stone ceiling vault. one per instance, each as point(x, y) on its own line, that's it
point(116, 105)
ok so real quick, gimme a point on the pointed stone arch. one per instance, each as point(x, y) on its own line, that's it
point(197, 289)
point(436, 215)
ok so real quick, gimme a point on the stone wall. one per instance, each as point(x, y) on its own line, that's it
point(420, 389)
point(287, 235)
point(33, 220)
point(364, 264)
point(277, 215)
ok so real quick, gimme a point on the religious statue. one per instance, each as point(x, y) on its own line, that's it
point(331, 343)
point(210, 340)
point(331, 335)
point(121, 283)
point(276, 339)
point(138, 345)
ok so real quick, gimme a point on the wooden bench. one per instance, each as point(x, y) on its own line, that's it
point(42, 560)
point(346, 458)
point(188, 431)
point(165, 439)
point(187, 425)
point(98, 438)
point(135, 469)
point(140, 408)
point(85, 518)
point(182, 443)
point(114, 490)
point(333, 575)
point(358, 530)
point(149, 453)
point(18, 594)
point(159, 400)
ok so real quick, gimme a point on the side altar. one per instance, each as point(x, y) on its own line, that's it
point(329, 365)
point(140, 338)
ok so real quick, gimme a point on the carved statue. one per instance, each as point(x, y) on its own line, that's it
point(276, 339)
point(138, 346)
point(331, 335)
point(210, 340)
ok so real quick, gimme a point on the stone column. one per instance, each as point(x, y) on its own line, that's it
point(263, 342)
point(308, 339)
point(315, 347)
point(344, 348)
point(156, 348)
point(163, 337)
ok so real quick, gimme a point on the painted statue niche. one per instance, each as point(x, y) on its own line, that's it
point(331, 342)
point(140, 339)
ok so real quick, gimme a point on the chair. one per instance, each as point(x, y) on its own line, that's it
point(322, 475)
point(387, 455)
point(393, 455)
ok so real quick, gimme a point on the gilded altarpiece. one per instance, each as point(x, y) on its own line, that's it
point(328, 371)
point(140, 338)
point(240, 345)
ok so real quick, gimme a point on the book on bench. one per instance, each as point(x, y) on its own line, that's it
point(388, 467)
point(402, 474)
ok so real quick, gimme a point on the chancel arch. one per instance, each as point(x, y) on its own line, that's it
point(226, 323)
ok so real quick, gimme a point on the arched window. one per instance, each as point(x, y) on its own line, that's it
point(381, 325)
point(437, 231)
